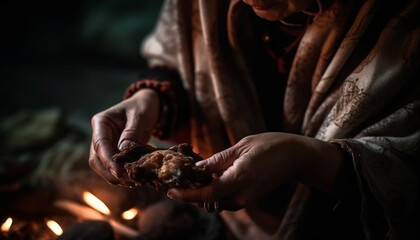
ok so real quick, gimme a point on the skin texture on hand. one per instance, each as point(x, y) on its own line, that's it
point(131, 120)
point(258, 164)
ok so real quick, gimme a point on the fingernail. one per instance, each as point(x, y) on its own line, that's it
point(123, 144)
point(170, 195)
point(201, 164)
point(113, 172)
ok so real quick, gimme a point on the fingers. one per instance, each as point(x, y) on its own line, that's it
point(96, 164)
point(232, 202)
point(204, 194)
point(219, 161)
point(104, 138)
point(103, 149)
point(112, 128)
point(142, 112)
point(224, 189)
point(133, 131)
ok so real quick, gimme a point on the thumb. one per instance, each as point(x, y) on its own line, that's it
point(133, 132)
point(219, 161)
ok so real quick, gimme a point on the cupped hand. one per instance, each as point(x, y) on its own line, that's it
point(258, 164)
point(132, 120)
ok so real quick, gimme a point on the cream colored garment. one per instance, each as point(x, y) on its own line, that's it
point(354, 80)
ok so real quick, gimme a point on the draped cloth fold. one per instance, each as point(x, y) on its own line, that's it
point(354, 81)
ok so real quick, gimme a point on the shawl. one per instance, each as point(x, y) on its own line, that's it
point(353, 81)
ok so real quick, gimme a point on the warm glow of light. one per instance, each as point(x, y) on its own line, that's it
point(7, 224)
point(55, 227)
point(94, 202)
point(130, 214)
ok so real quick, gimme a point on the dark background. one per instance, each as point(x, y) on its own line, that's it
point(78, 56)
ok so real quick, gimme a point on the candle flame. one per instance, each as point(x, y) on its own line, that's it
point(55, 227)
point(95, 203)
point(129, 214)
point(7, 224)
point(85, 212)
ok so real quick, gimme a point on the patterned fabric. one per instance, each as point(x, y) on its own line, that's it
point(353, 81)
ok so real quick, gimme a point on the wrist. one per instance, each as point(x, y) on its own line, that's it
point(322, 165)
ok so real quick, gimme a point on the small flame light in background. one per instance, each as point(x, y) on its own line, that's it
point(97, 210)
point(55, 227)
point(95, 203)
point(6, 225)
point(129, 214)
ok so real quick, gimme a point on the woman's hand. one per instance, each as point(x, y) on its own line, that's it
point(132, 120)
point(258, 164)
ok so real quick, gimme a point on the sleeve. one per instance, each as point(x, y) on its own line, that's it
point(386, 161)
